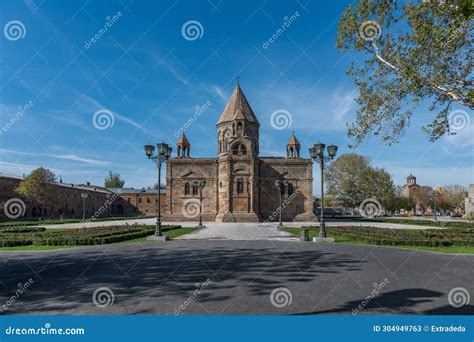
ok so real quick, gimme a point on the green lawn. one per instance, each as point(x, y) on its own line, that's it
point(172, 234)
point(346, 240)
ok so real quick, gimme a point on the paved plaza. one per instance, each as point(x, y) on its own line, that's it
point(214, 225)
point(217, 277)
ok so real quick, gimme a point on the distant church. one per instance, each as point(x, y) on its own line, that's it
point(240, 184)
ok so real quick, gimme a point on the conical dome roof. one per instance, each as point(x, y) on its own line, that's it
point(238, 108)
point(183, 140)
point(293, 141)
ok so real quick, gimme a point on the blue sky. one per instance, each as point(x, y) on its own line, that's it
point(144, 71)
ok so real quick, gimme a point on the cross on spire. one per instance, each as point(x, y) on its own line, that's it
point(238, 79)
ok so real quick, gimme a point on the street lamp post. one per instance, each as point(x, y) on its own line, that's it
point(317, 153)
point(281, 185)
point(200, 184)
point(163, 154)
point(84, 197)
point(433, 194)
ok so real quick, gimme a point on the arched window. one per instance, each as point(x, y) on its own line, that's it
point(240, 186)
point(239, 128)
point(195, 190)
point(290, 189)
point(239, 149)
point(186, 189)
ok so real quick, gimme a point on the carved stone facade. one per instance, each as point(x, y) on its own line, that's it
point(240, 185)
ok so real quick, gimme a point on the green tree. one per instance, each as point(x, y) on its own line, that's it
point(351, 179)
point(420, 51)
point(113, 180)
point(453, 197)
point(39, 189)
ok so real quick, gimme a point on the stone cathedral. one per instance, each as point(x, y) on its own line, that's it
point(241, 185)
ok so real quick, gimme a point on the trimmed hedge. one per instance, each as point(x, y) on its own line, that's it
point(439, 223)
point(21, 229)
point(77, 237)
point(394, 237)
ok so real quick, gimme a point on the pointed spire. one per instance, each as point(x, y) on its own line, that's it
point(293, 140)
point(183, 140)
point(238, 108)
point(293, 147)
point(183, 146)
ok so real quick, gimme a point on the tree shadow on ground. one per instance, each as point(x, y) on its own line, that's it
point(396, 302)
point(147, 273)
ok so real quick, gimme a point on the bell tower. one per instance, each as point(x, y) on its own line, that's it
point(238, 149)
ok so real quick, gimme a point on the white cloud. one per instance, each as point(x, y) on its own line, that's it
point(71, 157)
point(90, 105)
point(221, 93)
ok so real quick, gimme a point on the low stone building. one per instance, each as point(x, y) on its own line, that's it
point(71, 200)
point(97, 201)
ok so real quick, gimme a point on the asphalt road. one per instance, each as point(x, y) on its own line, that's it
point(234, 277)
